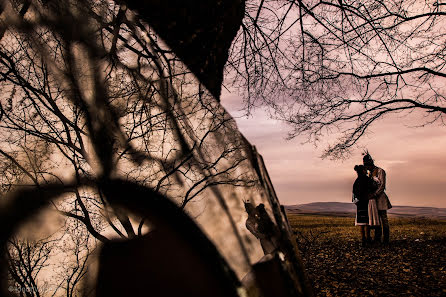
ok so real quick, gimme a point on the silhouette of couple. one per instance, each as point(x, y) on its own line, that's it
point(371, 201)
point(261, 226)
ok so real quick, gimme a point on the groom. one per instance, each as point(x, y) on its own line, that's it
point(382, 201)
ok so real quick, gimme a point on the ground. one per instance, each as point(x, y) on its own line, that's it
point(414, 264)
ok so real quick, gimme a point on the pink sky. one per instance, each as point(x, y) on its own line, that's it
point(414, 160)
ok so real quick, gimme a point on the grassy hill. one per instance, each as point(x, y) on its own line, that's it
point(348, 209)
point(414, 264)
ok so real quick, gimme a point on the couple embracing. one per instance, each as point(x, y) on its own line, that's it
point(371, 201)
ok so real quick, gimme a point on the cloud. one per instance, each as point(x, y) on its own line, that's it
point(393, 162)
point(413, 158)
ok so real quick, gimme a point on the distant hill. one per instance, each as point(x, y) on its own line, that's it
point(349, 209)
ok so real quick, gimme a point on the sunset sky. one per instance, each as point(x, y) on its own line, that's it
point(414, 160)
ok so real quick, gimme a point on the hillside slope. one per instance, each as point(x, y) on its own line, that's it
point(348, 209)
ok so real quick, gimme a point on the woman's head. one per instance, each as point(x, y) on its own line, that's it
point(250, 209)
point(360, 169)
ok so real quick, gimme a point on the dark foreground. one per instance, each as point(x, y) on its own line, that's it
point(414, 264)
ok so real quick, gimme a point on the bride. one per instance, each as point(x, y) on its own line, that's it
point(366, 210)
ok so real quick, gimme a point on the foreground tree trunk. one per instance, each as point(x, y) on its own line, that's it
point(138, 132)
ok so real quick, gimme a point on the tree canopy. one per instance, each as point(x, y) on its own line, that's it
point(93, 99)
point(339, 66)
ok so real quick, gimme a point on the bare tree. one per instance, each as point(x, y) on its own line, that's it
point(77, 246)
point(104, 99)
point(339, 66)
point(31, 255)
point(139, 72)
point(27, 259)
point(52, 265)
point(127, 127)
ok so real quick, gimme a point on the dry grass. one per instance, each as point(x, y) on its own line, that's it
point(414, 264)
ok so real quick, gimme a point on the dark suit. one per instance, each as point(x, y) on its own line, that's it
point(383, 204)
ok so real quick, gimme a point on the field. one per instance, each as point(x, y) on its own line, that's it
point(414, 264)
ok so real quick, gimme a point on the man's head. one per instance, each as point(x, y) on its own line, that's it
point(368, 160)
